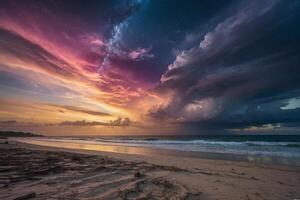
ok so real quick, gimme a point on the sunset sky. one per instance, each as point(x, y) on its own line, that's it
point(150, 67)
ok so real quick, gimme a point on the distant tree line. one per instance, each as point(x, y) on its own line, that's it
point(17, 134)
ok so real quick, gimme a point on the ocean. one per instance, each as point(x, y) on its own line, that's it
point(277, 145)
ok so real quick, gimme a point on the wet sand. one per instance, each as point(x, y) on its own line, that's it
point(38, 172)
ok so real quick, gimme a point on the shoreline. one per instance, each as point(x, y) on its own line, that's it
point(161, 158)
point(138, 150)
point(185, 178)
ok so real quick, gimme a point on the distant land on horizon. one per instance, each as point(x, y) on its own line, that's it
point(18, 134)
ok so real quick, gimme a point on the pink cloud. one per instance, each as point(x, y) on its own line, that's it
point(93, 39)
point(140, 54)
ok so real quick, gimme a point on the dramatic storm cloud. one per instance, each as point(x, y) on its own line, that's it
point(241, 73)
point(150, 66)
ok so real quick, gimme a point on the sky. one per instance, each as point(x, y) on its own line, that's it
point(127, 67)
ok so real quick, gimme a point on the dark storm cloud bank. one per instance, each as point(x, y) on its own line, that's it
point(241, 74)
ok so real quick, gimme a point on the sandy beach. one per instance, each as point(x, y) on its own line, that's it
point(38, 172)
